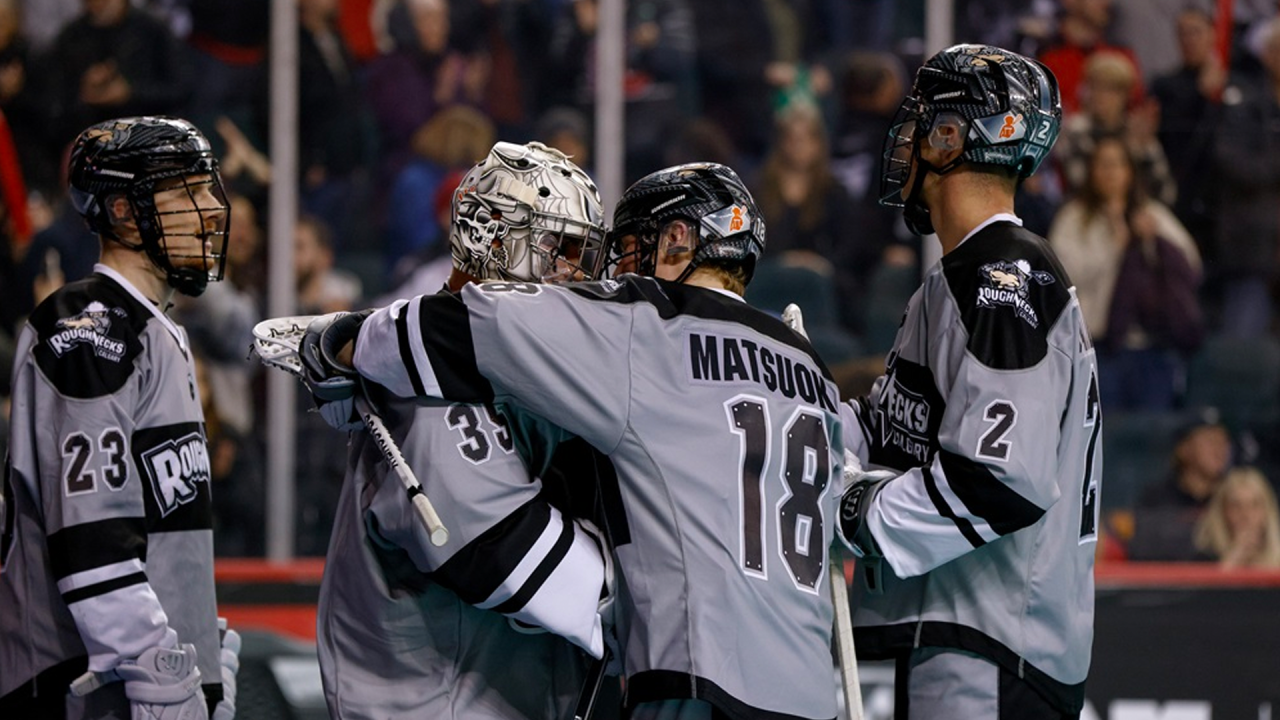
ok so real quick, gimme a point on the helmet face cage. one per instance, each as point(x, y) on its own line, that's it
point(1007, 108)
point(134, 158)
point(722, 217)
point(526, 213)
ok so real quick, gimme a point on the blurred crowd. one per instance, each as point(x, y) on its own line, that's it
point(1162, 202)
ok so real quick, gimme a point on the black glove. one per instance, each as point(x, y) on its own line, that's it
point(333, 384)
point(861, 487)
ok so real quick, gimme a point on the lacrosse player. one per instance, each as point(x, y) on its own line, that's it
point(107, 543)
point(408, 629)
point(720, 421)
point(988, 419)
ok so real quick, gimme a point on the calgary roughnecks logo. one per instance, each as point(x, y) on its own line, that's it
point(89, 326)
point(1006, 283)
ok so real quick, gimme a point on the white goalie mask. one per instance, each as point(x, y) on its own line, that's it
point(526, 213)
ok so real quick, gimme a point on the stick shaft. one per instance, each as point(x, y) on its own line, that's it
point(426, 511)
point(843, 628)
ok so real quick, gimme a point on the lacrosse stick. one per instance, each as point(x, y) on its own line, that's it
point(276, 342)
point(843, 625)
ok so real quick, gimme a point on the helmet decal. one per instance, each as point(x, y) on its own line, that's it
point(526, 213)
point(1009, 107)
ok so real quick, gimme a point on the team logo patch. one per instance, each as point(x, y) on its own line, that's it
point(904, 420)
point(1006, 283)
point(89, 327)
point(175, 468)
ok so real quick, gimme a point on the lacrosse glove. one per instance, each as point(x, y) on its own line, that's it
point(333, 384)
point(164, 684)
point(861, 487)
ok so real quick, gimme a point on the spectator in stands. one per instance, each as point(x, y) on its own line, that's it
point(335, 132)
point(228, 44)
point(731, 60)
point(424, 73)
point(567, 130)
point(456, 137)
point(1241, 527)
point(1109, 78)
point(1247, 178)
point(1082, 31)
point(870, 91)
point(660, 72)
point(21, 103)
point(805, 207)
point(1189, 99)
point(1167, 512)
point(237, 472)
point(320, 462)
point(1136, 271)
point(115, 60)
point(322, 288)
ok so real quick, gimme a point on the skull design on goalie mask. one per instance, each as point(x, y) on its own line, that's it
point(526, 213)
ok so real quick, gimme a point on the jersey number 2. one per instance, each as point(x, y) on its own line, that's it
point(804, 471)
point(1089, 488)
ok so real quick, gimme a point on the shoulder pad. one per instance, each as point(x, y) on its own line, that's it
point(1010, 290)
point(88, 337)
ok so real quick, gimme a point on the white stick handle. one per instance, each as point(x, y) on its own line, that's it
point(843, 628)
point(426, 511)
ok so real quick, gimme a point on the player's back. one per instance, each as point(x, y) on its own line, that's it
point(721, 425)
point(728, 483)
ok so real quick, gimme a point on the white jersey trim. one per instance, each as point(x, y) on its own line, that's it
point(388, 368)
point(143, 301)
point(100, 574)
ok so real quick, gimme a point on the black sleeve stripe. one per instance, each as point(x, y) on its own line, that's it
point(1004, 509)
point(78, 548)
point(541, 573)
point(446, 335)
point(963, 524)
point(478, 569)
point(104, 587)
point(406, 353)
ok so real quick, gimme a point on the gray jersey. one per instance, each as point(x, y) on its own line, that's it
point(107, 543)
point(401, 630)
point(990, 405)
point(723, 429)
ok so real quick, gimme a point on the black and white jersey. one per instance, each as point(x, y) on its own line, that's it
point(990, 407)
point(722, 427)
point(107, 544)
point(405, 628)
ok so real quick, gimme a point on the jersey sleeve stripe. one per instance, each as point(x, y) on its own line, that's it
point(443, 332)
point(97, 575)
point(92, 545)
point(478, 569)
point(102, 588)
point(986, 496)
point(408, 350)
point(965, 527)
point(549, 563)
point(552, 535)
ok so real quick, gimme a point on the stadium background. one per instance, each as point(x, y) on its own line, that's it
point(317, 110)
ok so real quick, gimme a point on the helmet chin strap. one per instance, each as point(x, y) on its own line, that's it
point(914, 211)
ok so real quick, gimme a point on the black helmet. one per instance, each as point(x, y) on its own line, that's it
point(708, 195)
point(1005, 106)
point(129, 157)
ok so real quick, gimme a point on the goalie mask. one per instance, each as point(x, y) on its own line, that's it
point(1005, 108)
point(164, 168)
point(526, 213)
point(721, 218)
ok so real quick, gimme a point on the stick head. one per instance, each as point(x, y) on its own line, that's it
point(276, 342)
